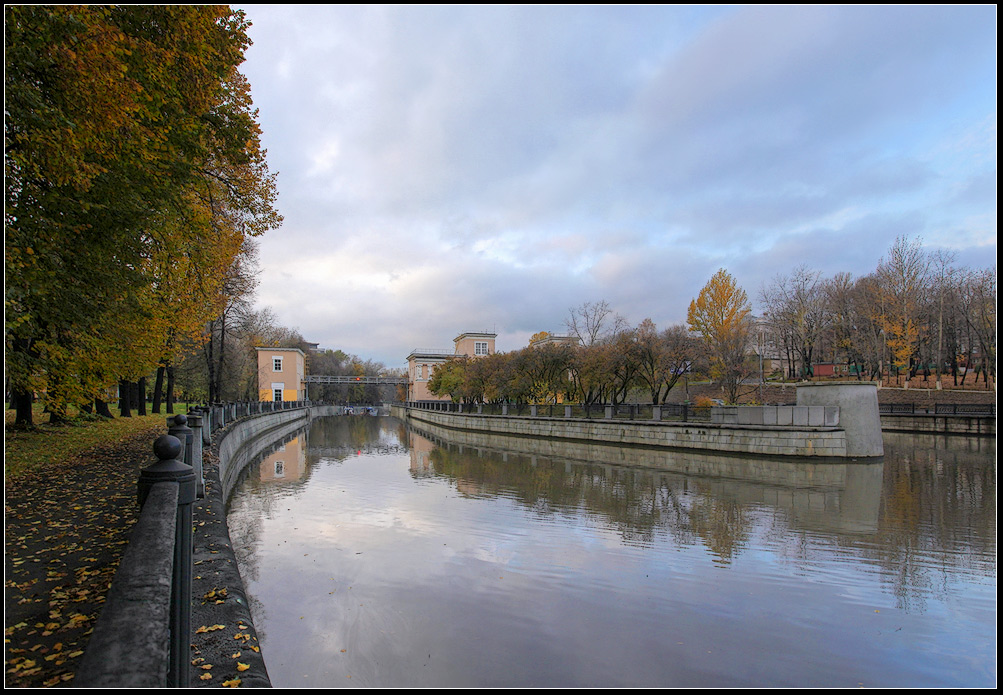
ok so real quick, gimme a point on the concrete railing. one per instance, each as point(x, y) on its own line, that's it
point(131, 644)
point(776, 415)
point(142, 638)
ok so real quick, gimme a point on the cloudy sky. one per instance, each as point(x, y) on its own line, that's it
point(448, 169)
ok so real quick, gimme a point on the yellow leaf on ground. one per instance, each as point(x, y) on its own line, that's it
point(242, 667)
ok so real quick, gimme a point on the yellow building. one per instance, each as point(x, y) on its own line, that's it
point(280, 374)
point(421, 363)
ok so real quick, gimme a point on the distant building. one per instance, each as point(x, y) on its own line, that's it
point(421, 363)
point(280, 374)
point(765, 350)
point(554, 339)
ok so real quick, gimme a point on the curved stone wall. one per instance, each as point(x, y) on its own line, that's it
point(747, 439)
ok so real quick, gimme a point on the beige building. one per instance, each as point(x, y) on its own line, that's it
point(553, 339)
point(421, 363)
point(280, 374)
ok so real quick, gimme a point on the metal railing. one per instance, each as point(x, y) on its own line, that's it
point(964, 409)
point(669, 412)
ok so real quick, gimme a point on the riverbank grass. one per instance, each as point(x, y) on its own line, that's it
point(49, 445)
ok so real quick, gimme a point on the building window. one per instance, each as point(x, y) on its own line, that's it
point(276, 364)
point(280, 469)
point(480, 348)
point(276, 394)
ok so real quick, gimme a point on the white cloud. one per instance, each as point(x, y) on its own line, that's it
point(443, 168)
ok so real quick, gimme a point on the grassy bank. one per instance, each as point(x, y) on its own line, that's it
point(48, 445)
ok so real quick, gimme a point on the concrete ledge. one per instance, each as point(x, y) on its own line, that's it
point(130, 647)
point(753, 439)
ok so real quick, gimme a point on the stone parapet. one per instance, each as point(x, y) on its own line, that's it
point(766, 440)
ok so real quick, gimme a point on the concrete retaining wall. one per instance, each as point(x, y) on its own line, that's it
point(975, 425)
point(215, 562)
point(751, 439)
point(831, 420)
point(239, 444)
point(235, 446)
point(781, 415)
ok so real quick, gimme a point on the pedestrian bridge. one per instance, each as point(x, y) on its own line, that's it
point(331, 379)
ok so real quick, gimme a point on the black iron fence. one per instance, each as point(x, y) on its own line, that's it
point(679, 412)
point(972, 409)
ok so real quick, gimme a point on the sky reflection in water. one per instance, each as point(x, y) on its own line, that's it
point(378, 555)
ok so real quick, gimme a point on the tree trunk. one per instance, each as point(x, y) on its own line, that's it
point(124, 398)
point(170, 389)
point(102, 408)
point(141, 396)
point(158, 390)
point(220, 358)
point(21, 401)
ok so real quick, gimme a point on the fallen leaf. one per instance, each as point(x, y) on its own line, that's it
point(211, 628)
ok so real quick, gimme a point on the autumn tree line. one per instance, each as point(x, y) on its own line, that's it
point(135, 188)
point(916, 314)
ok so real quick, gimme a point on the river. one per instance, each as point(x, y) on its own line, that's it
point(378, 555)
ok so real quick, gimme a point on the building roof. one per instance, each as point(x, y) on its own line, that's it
point(475, 334)
point(431, 353)
point(281, 349)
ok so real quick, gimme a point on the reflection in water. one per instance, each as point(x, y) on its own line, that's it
point(390, 556)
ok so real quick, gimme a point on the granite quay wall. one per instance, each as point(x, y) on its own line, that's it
point(237, 444)
point(135, 641)
point(766, 440)
point(972, 425)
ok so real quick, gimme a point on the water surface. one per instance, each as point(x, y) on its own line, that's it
point(379, 555)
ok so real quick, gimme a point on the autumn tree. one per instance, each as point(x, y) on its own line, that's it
point(979, 306)
point(902, 277)
point(721, 315)
point(132, 167)
point(798, 313)
point(662, 358)
point(448, 378)
point(593, 322)
point(546, 370)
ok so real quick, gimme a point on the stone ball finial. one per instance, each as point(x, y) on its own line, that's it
point(167, 447)
point(180, 420)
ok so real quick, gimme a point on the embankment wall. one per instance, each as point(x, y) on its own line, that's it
point(750, 439)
